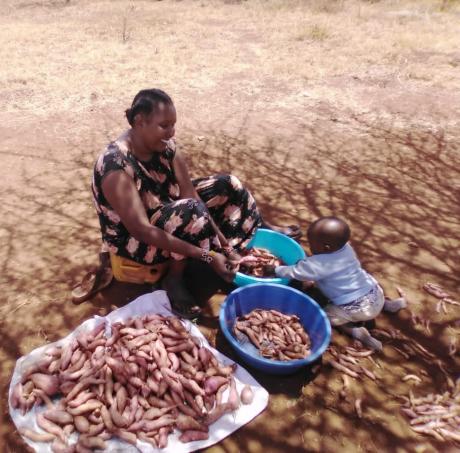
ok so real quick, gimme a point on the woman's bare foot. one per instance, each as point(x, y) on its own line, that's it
point(182, 302)
point(292, 231)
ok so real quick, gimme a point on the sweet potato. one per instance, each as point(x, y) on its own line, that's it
point(212, 384)
point(126, 436)
point(68, 429)
point(163, 387)
point(156, 412)
point(157, 402)
point(170, 377)
point(50, 427)
point(121, 397)
point(233, 397)
point(247, 394)
point(190, 399)
point(153, 425)
point(175, 363)
point(82, 385)
point(16, 396)
point(49, 384)
point(117, 418)
point(60, 417)
point(191, 436)
point(61, 447)
point(220, 393)
point(187, 423)
point(81, 398)
point(81, 423)
point(200, 403)
point(36, 437)
point(178, 400)
point(191, 385)
point(92, 442)
point(44, 397)
point(95, 430)
point(89, 406)
point(163, 437)
point(67, 354)
point(106, 418)
point(142, 436)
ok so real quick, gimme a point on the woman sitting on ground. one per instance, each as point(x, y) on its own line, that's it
point(150, 211)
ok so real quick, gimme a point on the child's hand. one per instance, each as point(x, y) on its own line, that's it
point(269, 270)
point(308, 285)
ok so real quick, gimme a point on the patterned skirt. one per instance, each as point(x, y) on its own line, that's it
point(231, 206)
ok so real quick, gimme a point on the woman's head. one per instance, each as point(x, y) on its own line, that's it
point(152, 117)
point(327, 235)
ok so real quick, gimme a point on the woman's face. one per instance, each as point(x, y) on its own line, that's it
point(157, 128)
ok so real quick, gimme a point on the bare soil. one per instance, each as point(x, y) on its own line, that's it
point(320, 107)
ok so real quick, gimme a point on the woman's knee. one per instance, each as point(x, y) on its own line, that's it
point(235, 183)
point(175, 216)
point(196, 223)
point(227, 183)
point(194, 206)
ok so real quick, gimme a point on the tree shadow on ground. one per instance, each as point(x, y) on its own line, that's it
point(393, 186)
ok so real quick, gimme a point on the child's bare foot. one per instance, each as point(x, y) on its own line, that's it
point(363, 335)
point(394, 305)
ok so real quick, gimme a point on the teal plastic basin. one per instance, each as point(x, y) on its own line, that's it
point(281, 246)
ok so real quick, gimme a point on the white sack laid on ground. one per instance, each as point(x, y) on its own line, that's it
point(152, 303)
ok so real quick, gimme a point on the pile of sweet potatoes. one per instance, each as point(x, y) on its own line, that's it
point(149, 378)
point(276, 335)
point(259, 262)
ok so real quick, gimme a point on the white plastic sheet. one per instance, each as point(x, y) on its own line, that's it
point(156, 302)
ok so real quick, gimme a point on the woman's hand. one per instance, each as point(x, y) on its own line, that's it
point(224, 266)
point(231, 253)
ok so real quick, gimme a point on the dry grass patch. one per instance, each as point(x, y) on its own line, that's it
point(66, 55)
point(313, 32)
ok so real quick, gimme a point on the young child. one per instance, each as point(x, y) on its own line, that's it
point(355, 295)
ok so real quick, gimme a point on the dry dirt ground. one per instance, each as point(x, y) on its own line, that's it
point(346, 107)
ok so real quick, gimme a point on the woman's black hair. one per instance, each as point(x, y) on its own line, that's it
point(145, 102)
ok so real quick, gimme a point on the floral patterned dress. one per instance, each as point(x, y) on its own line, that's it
point(222, 196)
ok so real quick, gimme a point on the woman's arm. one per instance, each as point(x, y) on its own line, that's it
point(187, 190)
point(119, 189)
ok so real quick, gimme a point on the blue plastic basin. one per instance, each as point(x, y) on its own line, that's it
point(281, 246)
point(286, 300)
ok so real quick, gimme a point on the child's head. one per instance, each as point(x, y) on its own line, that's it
point(327, 235)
